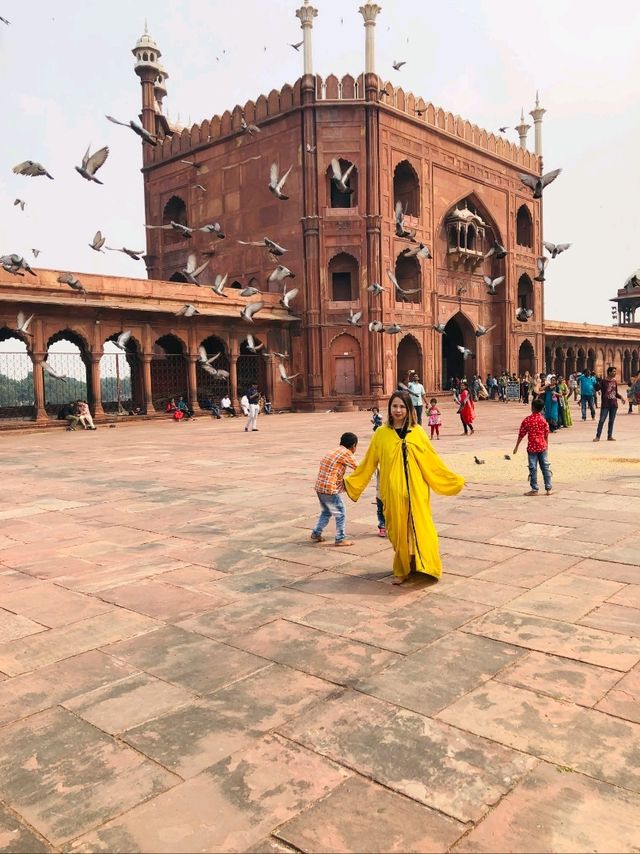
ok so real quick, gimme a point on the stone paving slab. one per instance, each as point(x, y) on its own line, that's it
point(16, 837)
point(623, 700)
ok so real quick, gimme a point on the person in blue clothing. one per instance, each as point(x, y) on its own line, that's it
point(587, 385)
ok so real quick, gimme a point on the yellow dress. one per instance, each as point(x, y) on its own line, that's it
point(409, 469)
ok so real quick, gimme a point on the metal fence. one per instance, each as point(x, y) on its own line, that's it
point(168, 379)
point(72, 385)
point(121, 382)
point(251, 369)
point(17, 398)
point(210, 387)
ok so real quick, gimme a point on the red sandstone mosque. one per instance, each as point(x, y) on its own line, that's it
point(461, 195)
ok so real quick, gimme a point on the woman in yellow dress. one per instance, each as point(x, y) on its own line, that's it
point(409, 469)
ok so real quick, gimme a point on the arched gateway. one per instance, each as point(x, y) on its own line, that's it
point(457, 333)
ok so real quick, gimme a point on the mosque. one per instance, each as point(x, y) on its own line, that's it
point(460, 195)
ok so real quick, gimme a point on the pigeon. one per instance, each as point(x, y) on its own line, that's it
point(280, 274)
point(465, 351)
point(402, 292)
point(192, 271)
point(73, 282)
point(121, 340)
point(276, 183)
point(401, 231)
point(483, 330)
point(182, 229)
point(249, 292)
point(461, 290)
point(541, 266)
point(250, 309)
point(383, 92)
point(283, 374)
point(376, 326)
point(53, 373)
point(341, 178)
point(375, 288)
point(14, 263)
point(36, 252)
point(204, 357)
point(201, 187)
point(20, 202)
point(218, 285)
point(297, 45)
point(212, 228)
point(492, 284)
point(311, 148)
point(420, 250)
point(251, 344)
point(507, 457)
point(5, 20)
point(144, 134)
point(537, 184)
point(392, 329)
point(250, 129)
point(32, 169)
point(23, 323)
point(440, 327)
point(478, 461)
point(288, 297)
point(398, 65)
point(354, 317)
point(504, 129)
point(92, 162)
point(554, 249)
point(266, 243)
point(498, 250)
point(523, 314)
point(135, 254)
point(187, 310)
point(284, 356)
point(190, 163)
point(98, 242)
point(215, 372)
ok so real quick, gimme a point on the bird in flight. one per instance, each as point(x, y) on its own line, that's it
point(250, 309)
point(218, 285)
point(286, 378)
point(187, 310)
point(375, 288)
point(541, 266)
point(280, 274)
point(354, 317)
point(92, 162)
point(276, 183)
point(398, 65)
point(191, 270)
point(401, 231)
point(554, 249)
point(288, 297)
point(483, 330)
point(492, 284)
point(144, 134)
point(31, 169)
point(98, 242)
point(248, 128)
point(538, 182)
point(266, 243)
point(122, 339)
point(297, 45)
point(504, 129)
point(341, 178)
point(135, 254)
point(73, 282)
point(23, 323)
point(401, 292)
point(20, 202)
point(498, 250)
point(465, 351)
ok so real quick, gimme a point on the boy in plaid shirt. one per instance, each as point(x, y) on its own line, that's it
point(329, 485)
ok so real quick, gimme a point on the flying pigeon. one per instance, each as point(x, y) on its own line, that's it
point(184, 230)
point(398, 65)
point(31, 168)
point(5, 20)
point(376, 326)
point(218, 285)
point(354, 317)
point(192, 271)
point(297, 45)
point(201, 187)
point(36, 252)
point(204, 357)
point(492, 284)
point(250, 129)
point(498, 250)
point(420, 250)
point(14, 263)
point(376, 289)
point(341, 178)
point(73, 282)
point(383, 92)
point(402, 292)
point(266, 243)
point(53, 373)
point(20, 202)
point(121, 340)
point(144, 134)
point(92, 162)
point(538, 183)
point(280, 274)
point(249, 292)
point(215, 372)
point(23, 323)
point(187, 310)
point(276, 183)
point(98, 242)
point(483, 330)
point(284, 356)
point(523, 314)
point(288, 297)
point(504, 129)
point(284, 376)
point(554, 249)
point(135, 254)
point(190, 163)
point(250, 309)
point(478, 461)
point(465, 351)
point(440, 327)
point(311, 148)
point(541, 266)
point(251, 344)
point(392, 329)
point(212, 228)
point(401, 231)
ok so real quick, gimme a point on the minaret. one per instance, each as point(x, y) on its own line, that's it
point(159, 87)
point(537, 113)
point(306, 14)
point(369, 12)
point(147, 65)
point(523, 129)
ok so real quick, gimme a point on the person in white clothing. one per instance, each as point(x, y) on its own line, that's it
point(225, 405)
point(244, 404)
point(84, 415)
point(253, 397)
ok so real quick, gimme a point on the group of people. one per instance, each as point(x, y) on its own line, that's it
point(252, 403)
point(77, 412)
point(418, 396)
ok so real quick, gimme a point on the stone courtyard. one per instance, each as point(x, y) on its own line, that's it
point(182, 670)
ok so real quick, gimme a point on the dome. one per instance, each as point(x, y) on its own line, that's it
point(465, 215)
point(146, 51)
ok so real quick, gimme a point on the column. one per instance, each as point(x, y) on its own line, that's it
point(523, 129)
point(369, 12)
point(38, 387)
point(96, 388)
point(537, 113)
point(306, 14)
point(146, 380)
point(233, 372)
point(192, 382)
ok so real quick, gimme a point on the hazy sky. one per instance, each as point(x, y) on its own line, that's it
point(64, 65)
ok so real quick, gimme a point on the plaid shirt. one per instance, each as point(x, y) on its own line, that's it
point(330, 480)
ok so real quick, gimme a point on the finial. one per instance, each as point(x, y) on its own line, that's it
point(146, 28)
point(537, 99)
point(522, 114)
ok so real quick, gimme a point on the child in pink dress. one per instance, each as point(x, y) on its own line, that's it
point(435, 418)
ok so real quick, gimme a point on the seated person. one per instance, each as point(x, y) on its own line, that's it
point(68, 413)
point(268, 409)
point(244, 404)
point(181, 405)
point(225, 406)
point(84, 415)
point(171, 405)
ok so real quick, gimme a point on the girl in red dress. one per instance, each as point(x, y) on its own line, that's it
point(466, 409)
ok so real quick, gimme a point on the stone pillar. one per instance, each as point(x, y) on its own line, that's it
point(146, 380)
point(369, 12)
point(306, 14)
point(234, 349)
point(38, 386)
point(373, 218)
point(537, 113)
point(523, 129)
point(96, 388)
point(192, 382)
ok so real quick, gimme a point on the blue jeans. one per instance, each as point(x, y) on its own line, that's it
point(380, 512)
point(584, 400)
point(331, 505)
point(610, 412)
point(543, 459)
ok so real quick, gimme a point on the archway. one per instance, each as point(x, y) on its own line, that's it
point(121, 382)
point(174, 211)
point(345, 365)
point(524, 227)
point(168, 371)
point(591, 359)
point(17, 399)
point(571, 362)
point(343, 278)
point(559, 362)
point(406, 188)
point(526, 358)
point(68, 355)
point(211, 387)
point(251, 368)
point(581, 362)
point(525, 292)
point(626, 366)
point(336, 198)
point(178, 277)
point(548, 360)
point(457, 333)
point(635, 366)
point(409, 358)
point(409, 278)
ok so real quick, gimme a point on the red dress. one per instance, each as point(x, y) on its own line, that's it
point(466, 409)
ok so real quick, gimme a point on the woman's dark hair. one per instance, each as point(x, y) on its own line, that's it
point(411, 420)
point(348, 440)
point(537, 404)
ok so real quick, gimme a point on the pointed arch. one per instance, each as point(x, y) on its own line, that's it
point(409, 277)
point(346, 367)
point(68, 353)
point(121, 378)
point(526, 358)
point(337, 199)
point(409, 358)
point(459, 332)
point(212, 387)
point(168, 370)
point(525, 292)
point(524, 227)
point(343, 278)
point(175, 210)
point(17, 397)
point(406, 188)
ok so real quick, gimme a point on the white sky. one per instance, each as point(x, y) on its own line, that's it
point(64, 65)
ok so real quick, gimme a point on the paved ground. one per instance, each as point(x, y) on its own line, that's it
point(181, 670)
